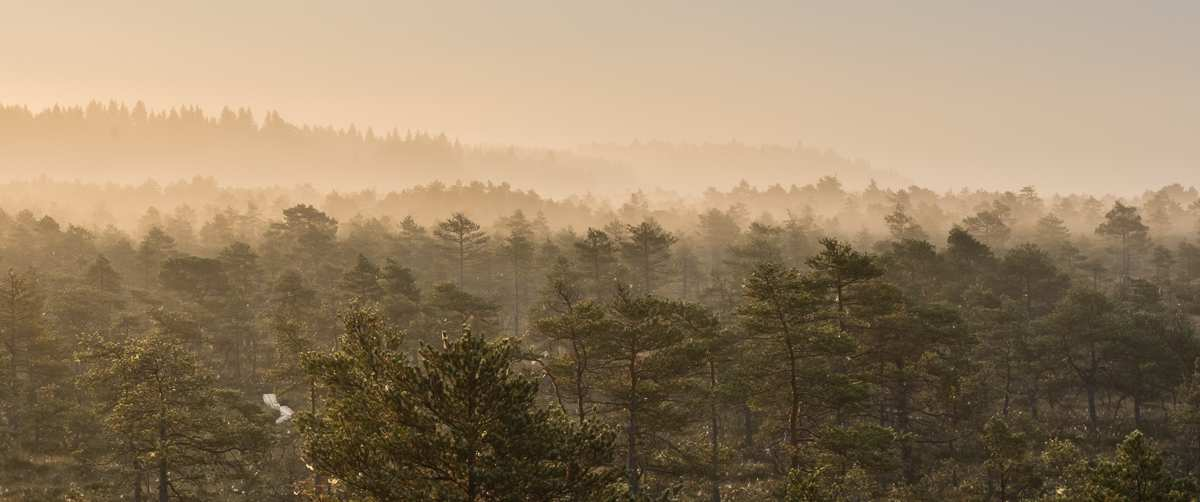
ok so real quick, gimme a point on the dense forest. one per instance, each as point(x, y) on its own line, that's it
point(478, 342)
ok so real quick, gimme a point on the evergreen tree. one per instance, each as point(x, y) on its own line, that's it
point(761, 243)
point(101, 275)
point(904, 227)
point(416, 248)
point(571, 330)
point(842, 275)
point(456, 307)
point(643, 372)
point(1124, 223)
point(362, 281)
point(646, 253)
point(1028, 275)
point(782, 313)
point(969, 262)
point(20, 328)
point(1085, 327)
point(305, 240)
point(1136, 472)
point(518, 248)
point(1051, 232)
point(167, 424)
point(154, 249)
point(458, 423)
point(597, 253)
point(463, 240)
point(720, 230)
point(401, 295)
point(990, 225)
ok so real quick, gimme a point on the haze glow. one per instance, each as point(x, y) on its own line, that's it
point(1070, 96)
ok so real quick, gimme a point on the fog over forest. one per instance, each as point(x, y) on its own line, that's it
point(130, 143)
point(548, 251)
point(248, 334)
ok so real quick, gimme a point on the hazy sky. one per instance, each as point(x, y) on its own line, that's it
point(1091, 95)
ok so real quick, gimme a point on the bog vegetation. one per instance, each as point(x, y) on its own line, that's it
point(475, 342)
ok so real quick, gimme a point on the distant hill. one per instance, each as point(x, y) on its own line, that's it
point(699, 166)
point(116, 142)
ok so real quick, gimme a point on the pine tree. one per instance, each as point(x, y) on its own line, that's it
point(1051, 232)
point(362, 281)
point(20, 328)
point(904, 227)
point(154, 249)
point(306, 240)
point(1137, 472)
point(518, 248)
point(968, 263)
point(1124, 223)
point(716, 348)
point(643, 371)
point(416, 249)
point(783, 314)
point(571, 332)
point(457, 423)
point(990, 225)
point(243, 305)
point(1028, 275)
point(761, 243)
point(597, 253)
point(463, 239)
point(101, 275)
point(402, 296)
point(165, 420)
point(719, 230)
point(1085, 327)
point(843, 273)
point(646, 253)
point(456, 307)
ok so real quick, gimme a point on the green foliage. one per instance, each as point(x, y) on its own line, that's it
point(462, 240)
point(1136, 472)
point(823, 485)
point(646, 252)
point(166, 424)
point(456, 423)
point(1000, 365)
point(362, 281)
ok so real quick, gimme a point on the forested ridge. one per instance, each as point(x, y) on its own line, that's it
point(477, 342)
point(129, 142)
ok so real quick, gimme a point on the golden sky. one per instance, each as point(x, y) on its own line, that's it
point(1096, 95)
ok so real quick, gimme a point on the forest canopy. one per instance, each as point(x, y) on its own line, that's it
point(476, 341)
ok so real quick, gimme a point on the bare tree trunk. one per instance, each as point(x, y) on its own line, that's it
point(794, 411)
point(714, 435)
point(580, 367)
point(516, 296)
point(631, 431)
point(462, 262)
point(1093, 418)
point(164, 483)
point(137, 481)
point(903, 403)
